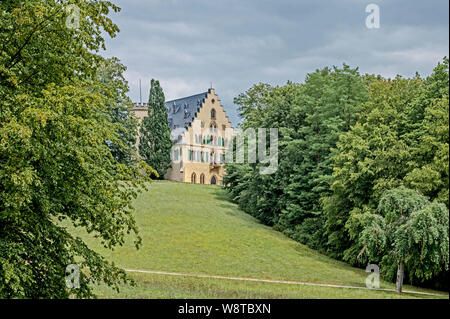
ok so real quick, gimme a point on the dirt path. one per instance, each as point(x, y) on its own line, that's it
point(276, 281)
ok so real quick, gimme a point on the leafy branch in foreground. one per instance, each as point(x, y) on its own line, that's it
point(55, 162)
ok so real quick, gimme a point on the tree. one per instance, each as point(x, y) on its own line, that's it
point(329, 104)
point(407, 232)
point(430, 139)
point(155, 142)
point(55, 164)
point(401, 139)
point(310, 118)
point(110, 74)
point(344, 140)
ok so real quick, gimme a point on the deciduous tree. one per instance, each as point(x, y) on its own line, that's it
point(55, 164)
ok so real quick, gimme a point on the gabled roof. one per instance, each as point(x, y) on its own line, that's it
point(181, 112)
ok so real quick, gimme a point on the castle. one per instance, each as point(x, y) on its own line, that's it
point(201, 133)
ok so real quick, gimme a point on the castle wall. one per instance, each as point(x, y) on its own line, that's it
point(192, 140)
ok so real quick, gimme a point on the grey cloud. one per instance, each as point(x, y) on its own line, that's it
point(187, 44)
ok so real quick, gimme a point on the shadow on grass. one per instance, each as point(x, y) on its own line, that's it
point(232, 208)
point(222, 194)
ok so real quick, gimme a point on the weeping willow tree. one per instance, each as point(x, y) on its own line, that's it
point(407, 232)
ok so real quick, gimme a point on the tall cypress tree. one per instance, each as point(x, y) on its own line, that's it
point(155, 142)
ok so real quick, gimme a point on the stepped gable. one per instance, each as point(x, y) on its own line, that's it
point(181, 112)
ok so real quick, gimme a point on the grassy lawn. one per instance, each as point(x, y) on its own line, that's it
point(194, 229)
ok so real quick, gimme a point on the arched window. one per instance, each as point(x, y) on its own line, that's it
point(213, 180)
point(202, 179)
point(193, 178)
point(213, 113)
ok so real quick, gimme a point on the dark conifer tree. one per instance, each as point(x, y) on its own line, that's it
point(155, 142)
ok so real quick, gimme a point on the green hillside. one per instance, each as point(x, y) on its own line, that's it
point(194, 229)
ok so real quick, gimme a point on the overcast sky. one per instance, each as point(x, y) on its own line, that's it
point(187, 44)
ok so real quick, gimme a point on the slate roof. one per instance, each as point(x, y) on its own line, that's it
point(181, 112)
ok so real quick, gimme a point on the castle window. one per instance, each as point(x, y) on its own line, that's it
point(202, 178)
point(213, 113)
point(193, 178)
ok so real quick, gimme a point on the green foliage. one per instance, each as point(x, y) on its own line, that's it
point(407, 228)
point(55, 165)
point(310, 118)
point(430, 146)
point(328, 105)
point(120, 108)
point(401, 139)
point(155, 143)
point(344, 141)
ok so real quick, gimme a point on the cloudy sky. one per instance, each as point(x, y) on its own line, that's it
point(233, 44)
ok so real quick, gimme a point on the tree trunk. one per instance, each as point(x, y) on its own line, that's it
point(400, 272)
